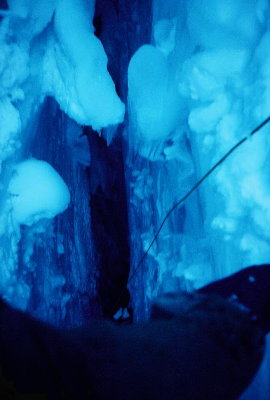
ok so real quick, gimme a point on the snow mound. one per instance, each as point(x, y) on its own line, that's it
point(37, 191)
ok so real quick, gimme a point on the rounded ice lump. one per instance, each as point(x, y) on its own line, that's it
point(37, 191)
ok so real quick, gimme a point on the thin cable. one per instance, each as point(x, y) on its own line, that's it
point(197, 184)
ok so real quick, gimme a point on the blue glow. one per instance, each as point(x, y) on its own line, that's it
point(130, 115)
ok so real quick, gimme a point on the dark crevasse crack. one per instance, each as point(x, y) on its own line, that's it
point(121, 28)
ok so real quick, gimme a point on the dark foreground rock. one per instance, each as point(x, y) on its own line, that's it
point(206, 349)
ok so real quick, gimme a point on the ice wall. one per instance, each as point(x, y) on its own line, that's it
point(228, 86)
point(56, 256)
point(214, 55)
point(46, 266)
point(225, 86)
point(161, 169)
point(209, 91)
point(199, 85)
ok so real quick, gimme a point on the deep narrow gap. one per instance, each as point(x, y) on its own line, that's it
point(122, 29)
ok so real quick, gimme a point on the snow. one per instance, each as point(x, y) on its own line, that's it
point(37, 191)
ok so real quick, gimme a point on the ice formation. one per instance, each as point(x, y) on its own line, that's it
point(47, 57)
point(36, 191)
point(200, 85)
point(221, 79)
point(217, 57)
point(75, 68)
point(154, 99)
point(43, 56)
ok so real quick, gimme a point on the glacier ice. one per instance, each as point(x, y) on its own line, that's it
point(224, 89)
point(196, 88)
point(217, 24)
point(153, 98)
point(37, 63)
point(164, 35)
point(30, 16)
point(78, 63)
point(36, 191)
point(10, 126)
